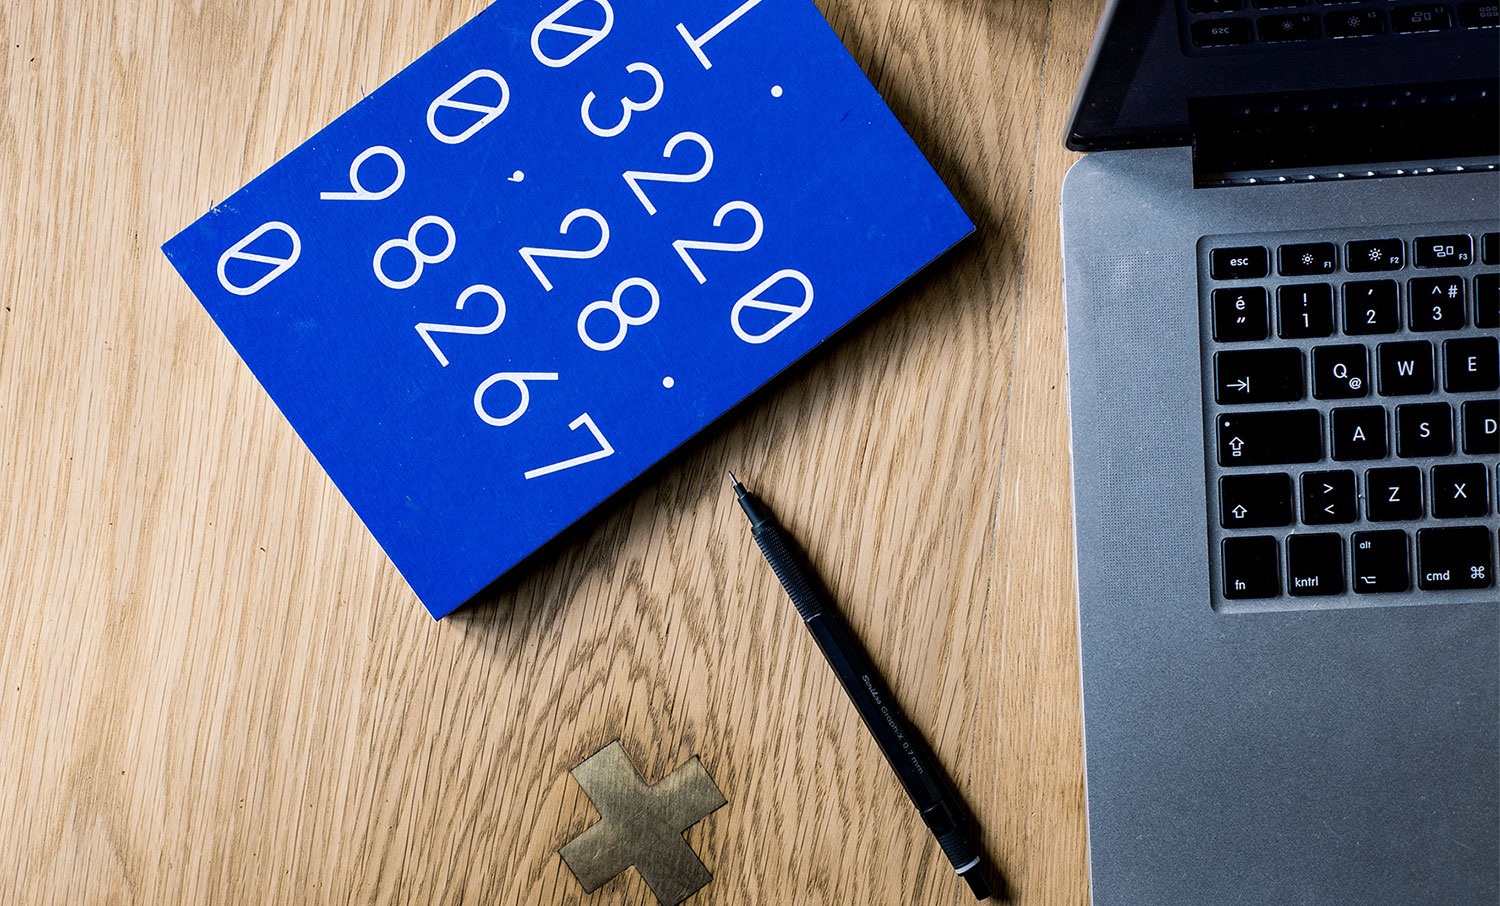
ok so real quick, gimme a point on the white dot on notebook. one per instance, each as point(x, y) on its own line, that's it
point(667, 382)
point(775, 91)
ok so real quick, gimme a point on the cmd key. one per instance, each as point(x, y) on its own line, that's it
point(1270, 438)
point(1460, 557)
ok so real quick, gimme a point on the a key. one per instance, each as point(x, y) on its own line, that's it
point(1340, 372)
point(1443, 251)
point(1356, 23)
point(1304, 310)
point(1424, 17)
point(1241, 314)
point(1472, 364)
point(1481, 420)
point(1359, 433)
point(1457, 557)
point(1487, 300)
point(1252, 567)
point(1437, 303)
point(1297, 27)
point(1223, 33)
point(1381, 561)
point(1406, 368)
point(1329, 498)
point(1394, 494)
point(1255, 501)
point(1424, 429)
point(1270, 438)
point(1371, 306)
point(1489, 248)
point(1258, 376)
point(1460, 491)
point(1363, 255)
point(1315, 564)
point(1214, 6)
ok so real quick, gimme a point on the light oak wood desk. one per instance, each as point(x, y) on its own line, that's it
point(216, 689)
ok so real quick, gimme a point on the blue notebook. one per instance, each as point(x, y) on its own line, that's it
point(552, 250)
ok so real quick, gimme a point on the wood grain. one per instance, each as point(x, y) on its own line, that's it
point(217, 690)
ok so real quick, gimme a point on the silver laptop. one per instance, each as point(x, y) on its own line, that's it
point(1281, 272)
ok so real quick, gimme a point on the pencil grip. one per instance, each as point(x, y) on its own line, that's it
point(805, 597)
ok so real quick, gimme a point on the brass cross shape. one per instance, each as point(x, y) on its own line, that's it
point(642, 825)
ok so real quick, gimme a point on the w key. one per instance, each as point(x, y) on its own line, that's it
point(1258, 376)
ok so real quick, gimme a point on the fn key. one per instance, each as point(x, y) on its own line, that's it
point(1252, 567)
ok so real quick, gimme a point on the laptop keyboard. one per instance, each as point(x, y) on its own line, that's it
point(1215, 24)
point(1351, 397)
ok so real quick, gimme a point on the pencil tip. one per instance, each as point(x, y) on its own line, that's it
point(732, 479)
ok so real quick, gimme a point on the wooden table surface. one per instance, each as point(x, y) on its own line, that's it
point(216, 689)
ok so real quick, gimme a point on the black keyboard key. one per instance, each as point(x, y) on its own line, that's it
point(1363, 255)
point(1315, 564)
point(1255, 501)
point(1277, 4)
point(1258, 376)
point(1329, 498)
point(1424, 429)
point(1458, 557)
point(1437, 303)
point(1252, 567)
point(1479, 14)
point(1241, 314)
point(1304, 310)
point(1393, 495)
point(1221, 33)
point(1215, 6)
point(1340, 372)
point(1359, 433)
point(1296, 27)
point(1481, 420)
point(1426, 17)
point(1355, 23)
point(1240, 263)
point(1406, 368)
point(1381, 561)
point(1460, 491)
point(1489, 243)
point(1270, 438)
point(1443, 251)
point(1306, 258)
point(1487, 300)
point(1472, 364)
point(1372, 306)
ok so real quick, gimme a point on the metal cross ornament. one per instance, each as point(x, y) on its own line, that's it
point(642, 825)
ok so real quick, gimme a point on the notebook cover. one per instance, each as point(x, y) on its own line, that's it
point(553, 249)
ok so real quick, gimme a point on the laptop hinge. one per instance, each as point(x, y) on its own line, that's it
point(1302, 136)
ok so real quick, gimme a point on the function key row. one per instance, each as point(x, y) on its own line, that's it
point(1450, 558)
point(1247, 376)
point(1393, 494)
point(1412, 19)
point(1304, 259)
point(1295, 436)
point(1306, 310)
